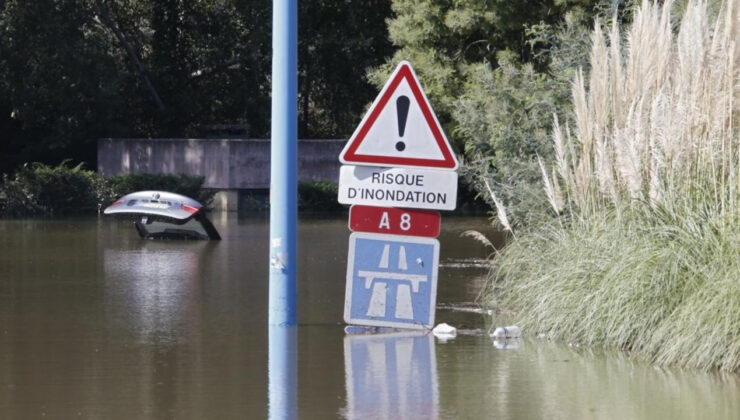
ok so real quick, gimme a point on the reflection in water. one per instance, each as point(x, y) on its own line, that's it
point(615, 386)
point(506, 343)
point(154, 284)
point(548, 380)
point(391, 376)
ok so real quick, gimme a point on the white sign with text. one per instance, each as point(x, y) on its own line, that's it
point(398, 187)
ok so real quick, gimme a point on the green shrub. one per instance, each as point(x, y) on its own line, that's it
point(318, 196)
point(504, 116)
point(39, 189)
point(14, 201)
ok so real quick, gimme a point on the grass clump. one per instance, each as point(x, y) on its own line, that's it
point(662, 285)
point(644, 253)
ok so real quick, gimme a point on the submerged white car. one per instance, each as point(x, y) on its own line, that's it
point(164, 215)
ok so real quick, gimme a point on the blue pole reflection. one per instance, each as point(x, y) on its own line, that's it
point(391, 376)
point(282, 371)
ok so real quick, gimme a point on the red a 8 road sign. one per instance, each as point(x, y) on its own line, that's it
point(394, 221)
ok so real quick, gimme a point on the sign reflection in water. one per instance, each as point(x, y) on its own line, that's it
point(391, 376)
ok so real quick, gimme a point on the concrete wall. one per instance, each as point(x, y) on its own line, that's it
point(226, 164)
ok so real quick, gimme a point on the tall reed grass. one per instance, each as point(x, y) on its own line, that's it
point(646, 253)
point(659, 120)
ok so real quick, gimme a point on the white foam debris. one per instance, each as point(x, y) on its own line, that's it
point(444, 332)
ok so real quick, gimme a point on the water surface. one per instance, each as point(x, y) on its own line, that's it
point(96, 323)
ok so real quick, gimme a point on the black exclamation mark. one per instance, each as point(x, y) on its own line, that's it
point(402, 111)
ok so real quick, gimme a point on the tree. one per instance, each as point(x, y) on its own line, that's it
point(54, 90)
point(444, 39)
point(495, 72)
point(338, 41)
point(72, 71)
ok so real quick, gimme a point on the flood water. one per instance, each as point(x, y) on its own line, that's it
point(98, 324)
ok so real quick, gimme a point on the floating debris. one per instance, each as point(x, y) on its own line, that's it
point(466, 307)
point(444, 332)
point(465, 263)
point(507, 332)
point(362, 329)
point(444, 329)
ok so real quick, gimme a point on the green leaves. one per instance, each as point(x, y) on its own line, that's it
point(73, 71)
point(39, 189)
point(495, 72)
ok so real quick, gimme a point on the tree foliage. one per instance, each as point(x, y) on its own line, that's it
point(72, 71)
point(338, 41)
point(443, 38)
point(496, 71)
point(504, 116)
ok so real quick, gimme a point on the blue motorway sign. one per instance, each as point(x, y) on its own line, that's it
point(391, 281)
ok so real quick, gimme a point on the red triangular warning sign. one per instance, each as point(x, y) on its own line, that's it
point(400, 129)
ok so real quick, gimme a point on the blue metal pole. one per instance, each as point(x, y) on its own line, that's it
point(283, 169)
